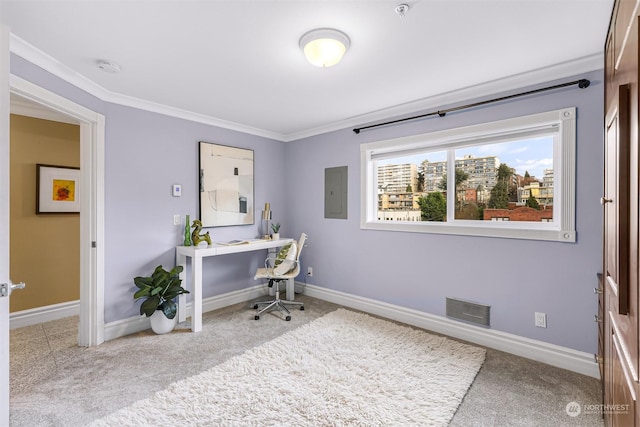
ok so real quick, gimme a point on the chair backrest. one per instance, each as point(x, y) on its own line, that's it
point(303, 238)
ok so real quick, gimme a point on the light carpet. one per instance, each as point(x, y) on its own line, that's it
point(344, 368)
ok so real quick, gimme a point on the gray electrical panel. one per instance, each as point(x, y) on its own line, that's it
point(335, 192)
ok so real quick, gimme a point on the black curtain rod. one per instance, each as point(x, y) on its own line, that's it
point(582, 84)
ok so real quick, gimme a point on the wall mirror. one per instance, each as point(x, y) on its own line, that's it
point(226, 185)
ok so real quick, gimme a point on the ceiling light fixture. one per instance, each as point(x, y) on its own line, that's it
point(108, 66)
point(324, 47)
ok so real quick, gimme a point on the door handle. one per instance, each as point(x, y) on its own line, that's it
point(5, 288)
point(604, 200)
point(15, 286)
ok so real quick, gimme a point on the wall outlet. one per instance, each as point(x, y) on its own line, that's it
point(177, 219)
point(541, 320)
point(309, 271)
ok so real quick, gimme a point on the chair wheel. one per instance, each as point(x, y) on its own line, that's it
point(287, 318)
point(302, 308)
point(255, 307)
point(256, 317)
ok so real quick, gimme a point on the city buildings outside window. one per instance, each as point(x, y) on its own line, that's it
point(512, 178)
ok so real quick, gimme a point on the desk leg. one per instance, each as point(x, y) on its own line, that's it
point(291, 291)
point(196, 293)
point(182, 299)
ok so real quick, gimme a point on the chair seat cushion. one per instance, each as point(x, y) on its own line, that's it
point(263, 273)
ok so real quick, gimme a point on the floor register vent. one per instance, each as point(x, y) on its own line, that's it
point(478, 314)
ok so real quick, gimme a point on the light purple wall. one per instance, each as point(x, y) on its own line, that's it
point(146, 153)
point(418, 271)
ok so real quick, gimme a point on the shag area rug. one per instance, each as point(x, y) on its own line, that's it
point(344, 368)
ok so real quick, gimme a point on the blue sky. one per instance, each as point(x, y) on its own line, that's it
point(532, 155)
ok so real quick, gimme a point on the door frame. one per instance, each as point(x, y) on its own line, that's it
point(4, 222)
point(92, 135)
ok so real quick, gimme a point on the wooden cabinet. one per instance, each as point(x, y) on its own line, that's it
point(619, 279)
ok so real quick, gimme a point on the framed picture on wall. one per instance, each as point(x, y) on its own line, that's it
point(57, 189)
point(226, 185)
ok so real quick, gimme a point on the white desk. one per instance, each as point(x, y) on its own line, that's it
point(195, 283)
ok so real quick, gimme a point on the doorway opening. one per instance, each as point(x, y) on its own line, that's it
point(51, 106)
point(45, 243)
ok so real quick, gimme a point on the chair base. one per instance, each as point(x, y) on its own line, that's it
point(276, 303)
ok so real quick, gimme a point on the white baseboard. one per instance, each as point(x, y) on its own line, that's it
point(554, 355)
point(122, 327)
point(47, 313)
point(132, 325)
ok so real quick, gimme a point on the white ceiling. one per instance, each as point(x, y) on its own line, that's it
point(238, 64)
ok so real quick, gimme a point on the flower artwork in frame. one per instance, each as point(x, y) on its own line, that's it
point(57, 189)
point(226, 185)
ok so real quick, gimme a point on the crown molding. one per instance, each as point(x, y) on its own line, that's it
point(32, 54)
point(585, 64)
point(506, 84)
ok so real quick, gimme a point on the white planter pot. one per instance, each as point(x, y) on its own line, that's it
point(275, 236)
point(160, 324)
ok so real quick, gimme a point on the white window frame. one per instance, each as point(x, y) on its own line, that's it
point(561, 123)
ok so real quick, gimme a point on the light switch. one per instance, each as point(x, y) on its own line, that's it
point(177, 190)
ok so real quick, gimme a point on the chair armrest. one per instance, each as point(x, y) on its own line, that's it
point(269, 265)
point(270, 262)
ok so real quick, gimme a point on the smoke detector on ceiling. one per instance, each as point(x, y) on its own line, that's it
point(108, 66)
point(402, 9)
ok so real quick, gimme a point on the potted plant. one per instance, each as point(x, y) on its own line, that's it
point(159, 292)
point(276, 231)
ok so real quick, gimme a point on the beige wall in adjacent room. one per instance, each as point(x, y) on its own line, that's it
point(44, 249)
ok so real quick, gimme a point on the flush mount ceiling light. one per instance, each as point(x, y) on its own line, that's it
point(324, 47)
point(108, 66)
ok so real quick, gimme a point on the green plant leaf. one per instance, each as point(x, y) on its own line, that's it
point(143, 282)
point(176, 270)
point(149, 306)
point(141, 293)
point(174, 290)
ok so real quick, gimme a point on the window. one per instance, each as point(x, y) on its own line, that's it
point(512, 178)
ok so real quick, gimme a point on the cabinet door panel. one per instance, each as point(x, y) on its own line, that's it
point(616, 201)
point(620, 410)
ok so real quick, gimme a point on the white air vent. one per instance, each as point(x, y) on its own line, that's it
point(478, 314)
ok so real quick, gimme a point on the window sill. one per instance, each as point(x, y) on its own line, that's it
point(503, 231)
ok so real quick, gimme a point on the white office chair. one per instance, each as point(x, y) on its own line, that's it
point(277, 269)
